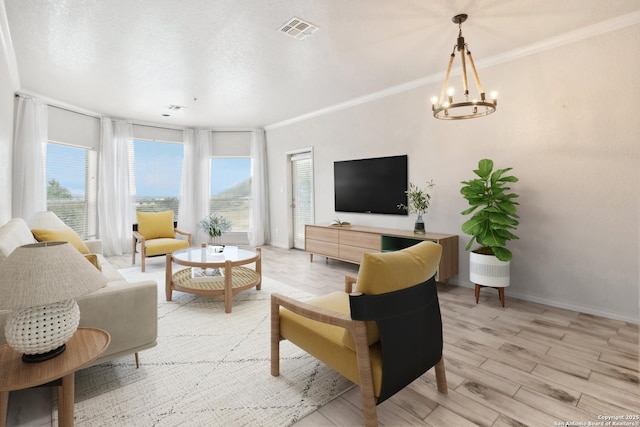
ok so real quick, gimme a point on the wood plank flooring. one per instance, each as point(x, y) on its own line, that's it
point(523, 365)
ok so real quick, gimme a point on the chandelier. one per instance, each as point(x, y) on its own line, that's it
point(444, 107)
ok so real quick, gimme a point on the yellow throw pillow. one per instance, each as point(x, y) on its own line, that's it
point(381, 273)
point(93, 259)
point(62, 234)
point(155, 225)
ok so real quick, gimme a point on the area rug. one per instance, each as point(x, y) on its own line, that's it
point(210, 368)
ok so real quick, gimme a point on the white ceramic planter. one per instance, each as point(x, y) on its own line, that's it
point(487, 270)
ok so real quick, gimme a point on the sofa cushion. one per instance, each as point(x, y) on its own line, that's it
point(154, 225)
point(13, 234)
point(63, 234)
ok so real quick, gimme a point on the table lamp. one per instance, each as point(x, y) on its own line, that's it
point(39, 283)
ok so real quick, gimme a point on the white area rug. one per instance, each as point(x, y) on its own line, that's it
point(209, 368)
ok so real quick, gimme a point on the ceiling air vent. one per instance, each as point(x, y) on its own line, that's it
point(176, 108)
point(298, 28)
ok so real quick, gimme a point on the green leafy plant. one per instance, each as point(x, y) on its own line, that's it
point(418, 199)
point(495, 211)
point(214, 225)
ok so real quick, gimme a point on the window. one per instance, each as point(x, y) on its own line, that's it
point(231, 190)
point(71, 186)
point(157, 174)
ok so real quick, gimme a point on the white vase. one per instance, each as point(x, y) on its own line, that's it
point(487, 270)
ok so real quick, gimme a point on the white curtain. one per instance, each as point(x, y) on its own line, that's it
point(194, 192)
point(259, 216)
point(29, 191)
point(115, 211)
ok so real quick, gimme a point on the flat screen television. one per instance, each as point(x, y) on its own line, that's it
point(375, 185)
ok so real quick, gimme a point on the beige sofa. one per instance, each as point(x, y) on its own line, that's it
point(128, 311)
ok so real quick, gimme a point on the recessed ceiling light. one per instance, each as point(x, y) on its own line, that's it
point(298, 28)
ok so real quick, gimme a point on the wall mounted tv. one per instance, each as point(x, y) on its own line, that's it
point(375, 185)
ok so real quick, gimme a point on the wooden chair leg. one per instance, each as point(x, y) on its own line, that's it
point(369, 400)
point(441, 377)
point(142, 258)
point(275, 339)
point(137, 361)
point(133, 256)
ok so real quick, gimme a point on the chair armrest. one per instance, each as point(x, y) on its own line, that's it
point(349, 281)
point(312, 312)
point(139, 237)
point(184, 233)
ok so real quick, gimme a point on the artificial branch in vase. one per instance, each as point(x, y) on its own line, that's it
point(418, 200)
point(214, 225)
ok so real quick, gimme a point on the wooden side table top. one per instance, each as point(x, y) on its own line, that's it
point(86, 345)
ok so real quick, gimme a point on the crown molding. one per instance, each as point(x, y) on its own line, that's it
point(589, 31)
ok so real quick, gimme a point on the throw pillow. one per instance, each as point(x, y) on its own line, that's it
point(63, 234)
point(93, 259)
point(156, 225)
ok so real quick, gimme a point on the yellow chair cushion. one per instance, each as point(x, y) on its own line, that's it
point(62, 234)
point(385, 272)
point(163, 246)
point(325, 342)
point(154, 225)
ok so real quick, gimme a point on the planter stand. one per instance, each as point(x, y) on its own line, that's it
point(488, 271)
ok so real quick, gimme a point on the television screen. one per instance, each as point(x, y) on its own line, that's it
point(375, 185)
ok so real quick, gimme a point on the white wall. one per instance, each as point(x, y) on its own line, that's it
point(566, 122)
point(8, 85)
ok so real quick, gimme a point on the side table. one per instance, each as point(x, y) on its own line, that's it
point(84, 347)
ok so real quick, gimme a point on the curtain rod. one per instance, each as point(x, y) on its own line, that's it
point(132, 122)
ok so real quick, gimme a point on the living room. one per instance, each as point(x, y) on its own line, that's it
point(564, 123)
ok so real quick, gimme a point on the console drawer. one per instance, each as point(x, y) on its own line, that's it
point(361, 240)
point(322, 248)
point(321, 233)
point(354, 253)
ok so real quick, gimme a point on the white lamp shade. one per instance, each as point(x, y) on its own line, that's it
point(44, 273)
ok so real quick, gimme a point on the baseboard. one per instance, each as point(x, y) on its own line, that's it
point(561, 304)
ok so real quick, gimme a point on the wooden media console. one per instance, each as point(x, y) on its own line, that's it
point(348, 243)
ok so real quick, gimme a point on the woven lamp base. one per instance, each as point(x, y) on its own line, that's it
point(41, 332)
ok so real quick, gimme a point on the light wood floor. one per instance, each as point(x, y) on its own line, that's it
point(523, 365)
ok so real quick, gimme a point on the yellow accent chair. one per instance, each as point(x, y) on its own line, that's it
point(383, 336)
point(155, 234)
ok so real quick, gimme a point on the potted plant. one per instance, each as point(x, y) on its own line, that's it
point(214, 225)
point(494, 218)
point(417, 202)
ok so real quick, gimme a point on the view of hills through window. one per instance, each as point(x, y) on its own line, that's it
point(71, 184)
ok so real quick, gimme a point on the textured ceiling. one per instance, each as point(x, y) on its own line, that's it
point(226, 61)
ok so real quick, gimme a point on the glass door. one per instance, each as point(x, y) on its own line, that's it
point(301, 195)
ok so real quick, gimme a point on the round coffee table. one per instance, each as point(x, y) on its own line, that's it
point(214, 274)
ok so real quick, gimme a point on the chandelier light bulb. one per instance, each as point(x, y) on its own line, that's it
point(451, 91)
point(434, 100)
